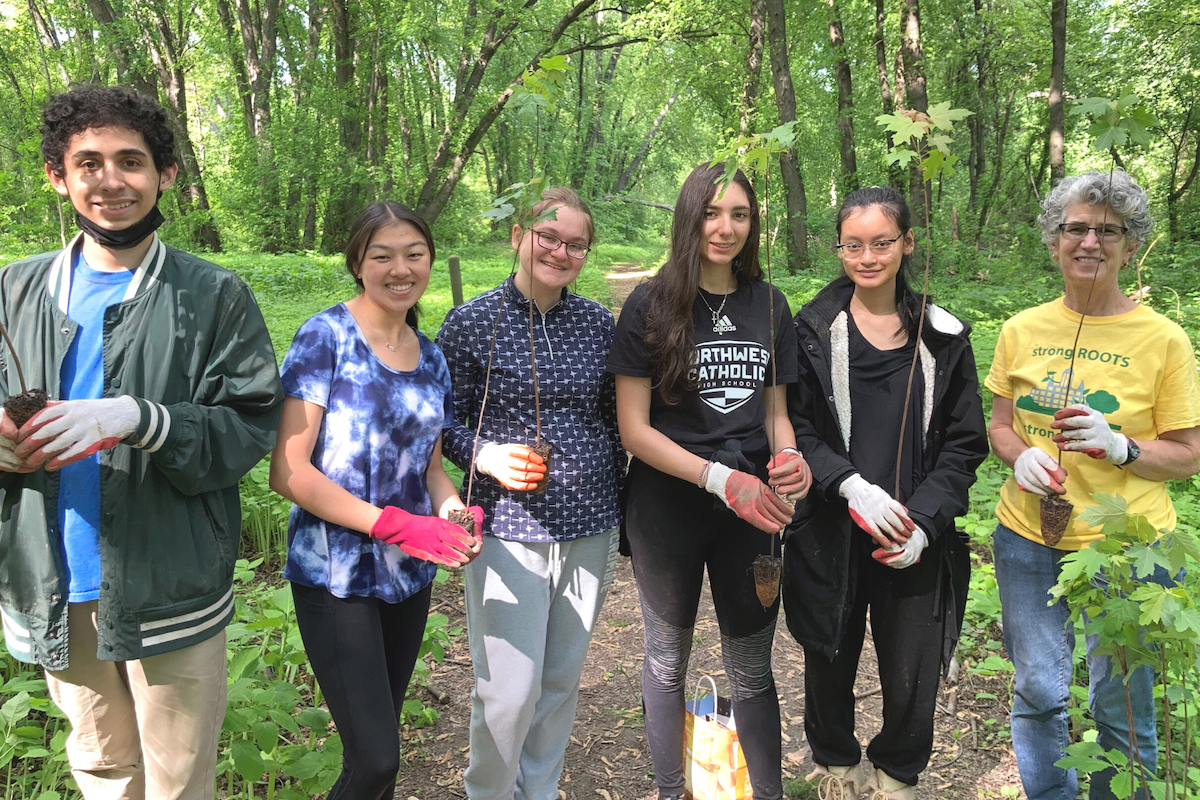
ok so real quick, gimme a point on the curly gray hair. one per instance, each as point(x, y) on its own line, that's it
point(1127, 200)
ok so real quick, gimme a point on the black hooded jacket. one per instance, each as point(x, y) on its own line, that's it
point(819, 572)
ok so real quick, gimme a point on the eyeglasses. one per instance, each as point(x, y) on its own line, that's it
point(1077, 232)
point(552, 243)
point(853, 250)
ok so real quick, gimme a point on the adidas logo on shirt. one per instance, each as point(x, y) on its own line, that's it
point(724, 325)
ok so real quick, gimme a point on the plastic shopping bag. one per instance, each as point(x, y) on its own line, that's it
point(713, 765)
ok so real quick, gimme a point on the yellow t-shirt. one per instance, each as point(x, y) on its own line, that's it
point(1137, 368)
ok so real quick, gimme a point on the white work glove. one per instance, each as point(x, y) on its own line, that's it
point(66, 432)
point(514, 466)
point(875, 511)
point(1038, 473)
point(8, 460)
point(748, 497)
point(1084, 429)
point(899, 556)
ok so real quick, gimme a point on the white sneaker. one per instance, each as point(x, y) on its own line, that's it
point(881, 786)
point(838, 783)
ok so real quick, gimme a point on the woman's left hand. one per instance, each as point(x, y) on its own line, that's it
point(1084, 429)
point(476, 532)
point(788, 474)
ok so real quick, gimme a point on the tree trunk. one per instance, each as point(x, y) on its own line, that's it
point(977, 161)
point(845, 101)
point(895, 173)
point(789, 160)
point(1058, 55)
point(345, 193)
point(629, 175)
point(915, 97)
point(754, 56)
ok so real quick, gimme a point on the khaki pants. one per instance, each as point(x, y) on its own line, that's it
point(144, 729)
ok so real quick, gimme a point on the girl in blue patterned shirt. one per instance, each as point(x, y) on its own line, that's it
point(360, 455)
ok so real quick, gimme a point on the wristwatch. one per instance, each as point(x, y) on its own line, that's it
point(1133, 454)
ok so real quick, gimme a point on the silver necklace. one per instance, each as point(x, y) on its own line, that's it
point(716, 315)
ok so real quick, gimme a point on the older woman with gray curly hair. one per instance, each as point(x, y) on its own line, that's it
point(1125, 415)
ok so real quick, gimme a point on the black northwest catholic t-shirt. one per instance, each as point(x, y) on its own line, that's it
point(731, 365)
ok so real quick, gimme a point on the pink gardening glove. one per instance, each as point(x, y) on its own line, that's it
point(428, 538)
point(874, 510)
point(748, 497)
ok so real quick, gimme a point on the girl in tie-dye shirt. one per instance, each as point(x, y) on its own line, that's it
point(359, 454)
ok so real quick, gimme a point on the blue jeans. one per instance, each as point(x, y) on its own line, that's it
point(1040, 642)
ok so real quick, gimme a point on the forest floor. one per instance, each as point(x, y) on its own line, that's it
point(607, 756)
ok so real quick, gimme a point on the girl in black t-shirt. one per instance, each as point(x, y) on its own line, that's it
point(859, 542)
point(701, 406)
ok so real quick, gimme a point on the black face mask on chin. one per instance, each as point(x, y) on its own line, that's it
point(126, 238)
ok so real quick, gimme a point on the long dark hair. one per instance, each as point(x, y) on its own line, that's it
point(369, 222)
point(894, 207)
point(670, 295)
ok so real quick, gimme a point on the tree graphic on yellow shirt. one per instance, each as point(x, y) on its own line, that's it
point(1053, 395)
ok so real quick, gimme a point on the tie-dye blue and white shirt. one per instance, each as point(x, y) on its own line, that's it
point(376, 440)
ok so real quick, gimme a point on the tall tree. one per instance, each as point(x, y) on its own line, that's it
point(789, 160)
point(845, 100)
point(915, 96)
point(754, 56)
point(888, 99)
point(1058, 57)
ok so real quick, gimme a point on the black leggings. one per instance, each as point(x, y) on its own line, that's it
point(675, 529)
point(908, 643)
point(362, 652)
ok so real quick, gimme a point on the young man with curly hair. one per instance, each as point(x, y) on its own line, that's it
point(121, 515)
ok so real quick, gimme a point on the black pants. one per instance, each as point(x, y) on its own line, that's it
point(908, 643)
point(362, 651)
point(675, 530)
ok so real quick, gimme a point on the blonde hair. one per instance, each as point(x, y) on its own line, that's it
point(559, 196)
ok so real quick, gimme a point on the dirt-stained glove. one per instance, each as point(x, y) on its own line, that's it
point(1084, 429)
point(748, 497)
point(788, 475)
point(1038, 473)
point(514, 466)
point(8, 460)
point(899, 556)
point(875, 511)
point(68, 431)
point(429, 538)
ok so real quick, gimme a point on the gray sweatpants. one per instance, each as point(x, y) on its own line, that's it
point(531, 609)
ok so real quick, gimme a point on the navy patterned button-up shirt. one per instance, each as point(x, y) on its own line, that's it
point(578, 411)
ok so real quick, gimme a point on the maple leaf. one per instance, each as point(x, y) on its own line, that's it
point(943, 116)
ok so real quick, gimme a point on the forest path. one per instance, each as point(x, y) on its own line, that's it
point(622, 278)
point(607, 757)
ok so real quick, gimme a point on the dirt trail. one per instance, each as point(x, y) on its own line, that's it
point(622, 278)
point(607, 758)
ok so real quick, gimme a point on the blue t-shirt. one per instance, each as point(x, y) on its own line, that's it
point(82, 378)
point(376, 441)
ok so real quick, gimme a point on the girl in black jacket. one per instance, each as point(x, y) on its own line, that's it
point(863, 538)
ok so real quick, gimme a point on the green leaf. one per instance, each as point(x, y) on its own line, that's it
point(285, 721)
point(903, 128)
point(305, 767)
point(16, 709)
point(315, 718)
point(1108, 508)
point(1145, 559)
point(1090, 107)
point(242, 662)
point(1188, 619)
point(266, 735)
point(901, 156)
point(1112, 136)
point(247, 760)
point(503, 211)
point(1081, 763)
point(943, 116)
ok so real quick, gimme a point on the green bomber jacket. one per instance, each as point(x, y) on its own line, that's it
point(189, 343)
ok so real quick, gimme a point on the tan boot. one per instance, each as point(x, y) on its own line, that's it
point(881, 786)
point(837, 783)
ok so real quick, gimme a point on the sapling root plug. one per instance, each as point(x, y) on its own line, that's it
point(545, 450)
point(1055, 516)
point(766, 578)
point(21, 407)
point(463, 518)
